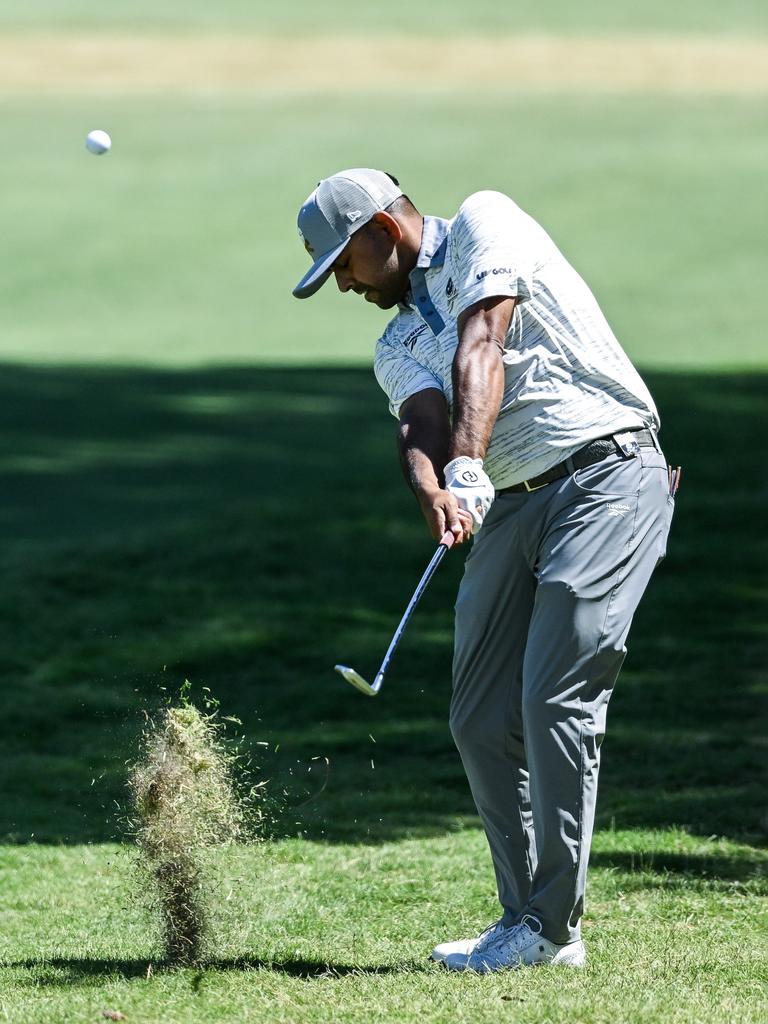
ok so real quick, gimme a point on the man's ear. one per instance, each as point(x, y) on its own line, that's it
point(384, 221)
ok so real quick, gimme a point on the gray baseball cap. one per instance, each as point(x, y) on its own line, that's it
point(338, 207)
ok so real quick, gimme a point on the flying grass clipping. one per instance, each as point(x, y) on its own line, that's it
point(188, 800)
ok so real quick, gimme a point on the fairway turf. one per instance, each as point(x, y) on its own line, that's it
point(312, 933)
point(199, 481)
point(180, 246)
point(133, 574)
point(735, 17)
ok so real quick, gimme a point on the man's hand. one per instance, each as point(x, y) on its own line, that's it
point(470, 485)
point(442, 512)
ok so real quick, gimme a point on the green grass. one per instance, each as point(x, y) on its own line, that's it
point(177, 441)
point(180, 247)
point(303, 17)
point(314, 933)
point(154, 541)
point(192, 544)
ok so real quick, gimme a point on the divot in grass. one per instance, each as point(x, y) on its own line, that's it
point(186, 806)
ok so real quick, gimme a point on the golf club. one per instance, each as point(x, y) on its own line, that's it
point(372, 689)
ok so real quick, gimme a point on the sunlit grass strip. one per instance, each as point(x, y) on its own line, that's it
point(686, 64)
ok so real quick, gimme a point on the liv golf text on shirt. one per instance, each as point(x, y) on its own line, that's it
point(567, 379)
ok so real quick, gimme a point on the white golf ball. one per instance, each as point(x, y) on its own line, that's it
point(98, 142)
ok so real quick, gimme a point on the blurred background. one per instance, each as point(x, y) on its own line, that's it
point(198, 473)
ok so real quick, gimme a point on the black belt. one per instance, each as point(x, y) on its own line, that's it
point(626, 443)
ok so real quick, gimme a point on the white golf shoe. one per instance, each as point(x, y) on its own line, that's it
point(463, 947)
point(522, 945)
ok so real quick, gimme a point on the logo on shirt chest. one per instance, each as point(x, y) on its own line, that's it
point(496, 270)
point(410, 339)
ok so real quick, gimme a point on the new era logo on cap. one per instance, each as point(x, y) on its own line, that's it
point(339, 206)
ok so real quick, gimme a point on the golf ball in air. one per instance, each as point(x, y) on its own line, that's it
point(98, 142)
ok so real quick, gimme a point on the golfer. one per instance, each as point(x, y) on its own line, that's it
point(521, 422)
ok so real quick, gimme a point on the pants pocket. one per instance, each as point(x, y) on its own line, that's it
point(613, 476)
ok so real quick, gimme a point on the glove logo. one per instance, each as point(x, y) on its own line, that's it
point(469, 477)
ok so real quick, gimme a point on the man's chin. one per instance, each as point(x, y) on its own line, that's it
point(377, 299)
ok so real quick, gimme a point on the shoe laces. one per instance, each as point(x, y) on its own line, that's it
point(519, 935)
point(490, 935)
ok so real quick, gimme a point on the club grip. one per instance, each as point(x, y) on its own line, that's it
point(448, 539)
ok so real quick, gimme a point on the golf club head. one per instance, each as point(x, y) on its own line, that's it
point(358, 682)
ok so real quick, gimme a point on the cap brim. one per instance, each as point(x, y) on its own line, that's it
point(318, 273)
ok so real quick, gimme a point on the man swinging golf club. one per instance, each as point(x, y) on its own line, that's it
point(523, 422)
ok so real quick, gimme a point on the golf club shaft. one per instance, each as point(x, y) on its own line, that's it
point(445, 545)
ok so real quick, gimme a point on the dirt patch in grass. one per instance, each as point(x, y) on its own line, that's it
point(184, 809)
point(123, 64)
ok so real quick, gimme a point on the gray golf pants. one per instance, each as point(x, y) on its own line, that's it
point(542, 616)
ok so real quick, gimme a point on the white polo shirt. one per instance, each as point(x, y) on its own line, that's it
point(567, 380)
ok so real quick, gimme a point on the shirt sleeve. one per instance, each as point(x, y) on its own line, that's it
point(488, 253)
point(399, 374)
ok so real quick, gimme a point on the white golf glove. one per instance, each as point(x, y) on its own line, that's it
point(471, 486)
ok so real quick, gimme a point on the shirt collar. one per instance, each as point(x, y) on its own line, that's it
point(433, 238)
point(434, 242)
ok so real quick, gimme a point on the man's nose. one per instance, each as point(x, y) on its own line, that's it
point(344, 280)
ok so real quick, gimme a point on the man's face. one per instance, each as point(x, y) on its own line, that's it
point(370, 266)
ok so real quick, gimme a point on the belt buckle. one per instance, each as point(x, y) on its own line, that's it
point(530, 489)
point(627, 444)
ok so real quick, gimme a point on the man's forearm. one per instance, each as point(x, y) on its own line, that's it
point(478, 377)
point(478, 386)
point(423, 451)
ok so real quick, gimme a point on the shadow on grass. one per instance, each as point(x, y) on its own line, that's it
point(247, 528)
point(60, 972)
point(649, 868)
